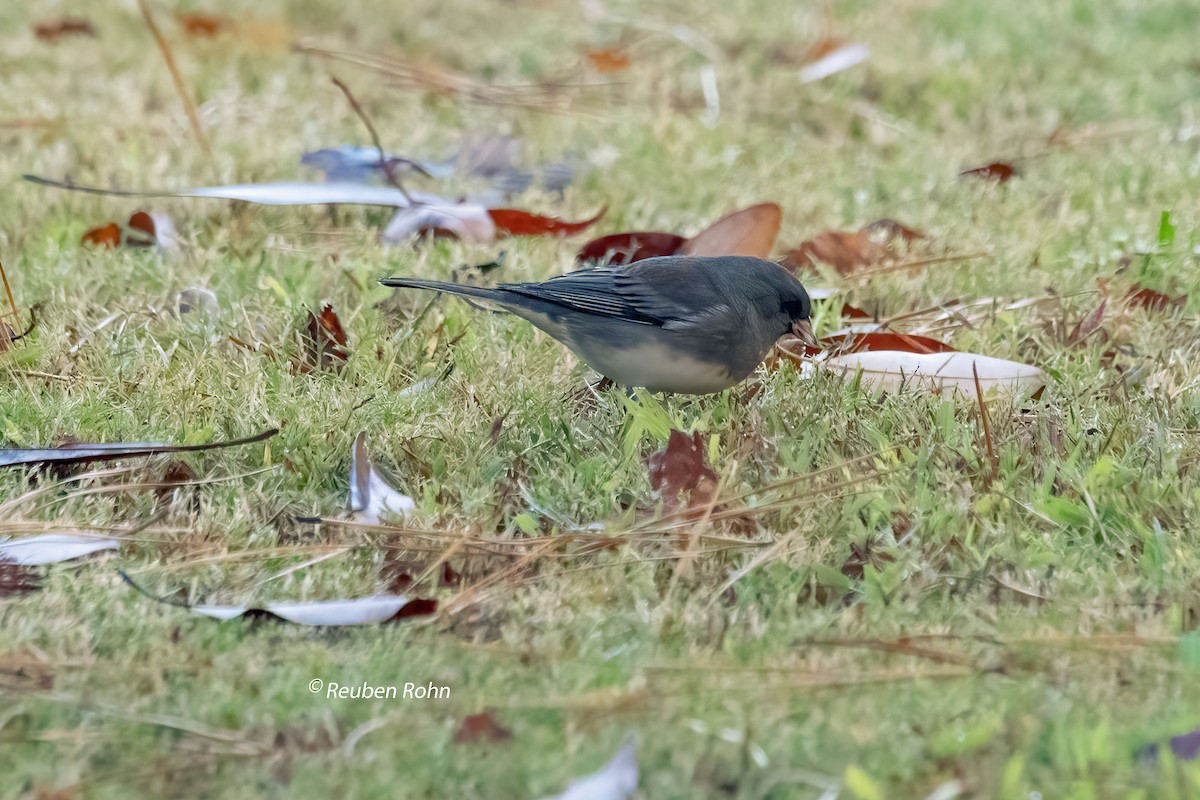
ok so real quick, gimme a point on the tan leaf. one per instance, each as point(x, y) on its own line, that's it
point(749, 232)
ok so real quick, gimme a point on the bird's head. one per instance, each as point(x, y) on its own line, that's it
point(795, 306)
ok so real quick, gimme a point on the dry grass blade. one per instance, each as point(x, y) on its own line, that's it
point(189, 105)
point(547, 95)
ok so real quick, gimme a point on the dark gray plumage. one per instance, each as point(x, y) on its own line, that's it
point(669, 324)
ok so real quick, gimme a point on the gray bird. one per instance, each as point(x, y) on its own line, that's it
point(670, 324)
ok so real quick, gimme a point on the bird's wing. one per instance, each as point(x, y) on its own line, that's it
point(633, 295)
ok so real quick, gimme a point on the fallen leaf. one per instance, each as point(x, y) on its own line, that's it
point(371, 497)
point(847, 342)
point(51, 548)
point(616, 780)
point(997, 171)
point(197, 299)
point(143, 229)
point(831, 56)
point(481, 727)
point(514, 222)
point(104, 236)
point(1186, 746)
point(196, 23)
point(891, 370)
point(848, 251)
point(1086, 326)
point(1151, 300)
point(360, 611)
point(17, 579)
point(608, 59)
point(52, 30)
point(78, 453)
point(626, 248)
point(749, 232)
point(682, 469)
point(325, 340)
point(887, 231)
point(469, 222)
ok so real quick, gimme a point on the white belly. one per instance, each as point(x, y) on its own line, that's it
point(659, 369)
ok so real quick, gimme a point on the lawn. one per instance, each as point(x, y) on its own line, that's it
point(876, 607)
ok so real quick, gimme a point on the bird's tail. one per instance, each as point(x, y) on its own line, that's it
point(463, 289)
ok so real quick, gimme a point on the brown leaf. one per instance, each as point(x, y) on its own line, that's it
point(142, 230)
point(1152, 300)
point(1086, 326)
point(792, 348)
point(887, 231)
point(749, 232)
point(418, 607)
point(626, 248)
point(17, 579)
point(104, 236)
point(196, 23)
point(481, 727)
point(52, 30)
point(860, 557)
point(326, 340)
point(514, 222)
point(847, 251)
point(997, 171)
point(682, 468)
point(608, 59)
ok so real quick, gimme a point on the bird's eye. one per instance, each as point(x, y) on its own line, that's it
point(795, 309)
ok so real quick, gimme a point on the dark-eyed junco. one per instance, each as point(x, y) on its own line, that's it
point(670, 324)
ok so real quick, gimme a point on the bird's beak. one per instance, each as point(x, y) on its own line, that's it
point(802, 329)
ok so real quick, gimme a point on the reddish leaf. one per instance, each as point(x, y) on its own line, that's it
point(792, 348)
point(141, 223)
point(625, 248)
point(140, 231)
point(104, 236)
point(854, 312)
point(682, 468)
point(52, 30)
point(481, 727)
point(608, 59)
point(326, 340)
point(997, 171)
point(420, 607)
point(1086, 326)
point(1152, 300)
point(198, 24)
point(889, 230)
point(847, 251)
point(17, 579)
point(751, 231)
point(514, 222)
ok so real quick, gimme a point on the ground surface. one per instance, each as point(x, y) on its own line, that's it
point(1060, 591)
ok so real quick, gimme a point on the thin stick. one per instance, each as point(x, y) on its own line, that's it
point(389, 169)
point(189, 105)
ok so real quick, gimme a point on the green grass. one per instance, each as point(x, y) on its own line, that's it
point(1063, 588)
